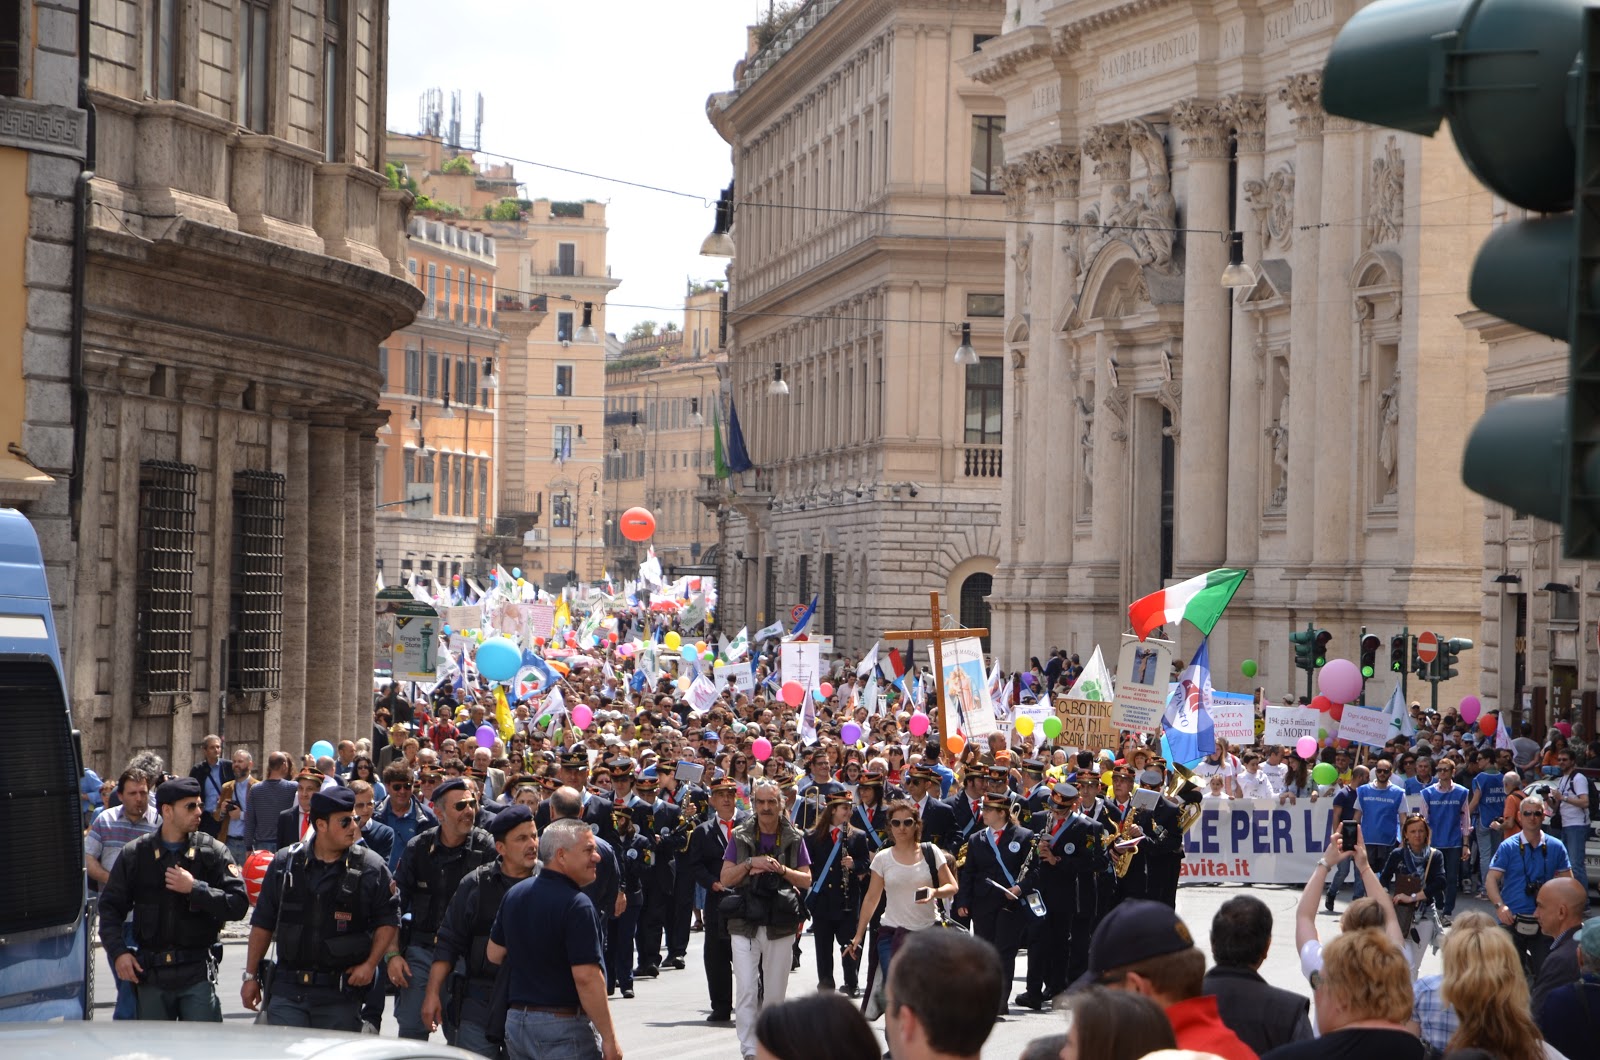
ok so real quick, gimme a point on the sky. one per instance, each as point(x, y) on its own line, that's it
point(615, 88)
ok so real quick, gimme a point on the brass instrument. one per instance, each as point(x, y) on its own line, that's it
point(961, 855)
point(1186, 793)
point(1122, 860)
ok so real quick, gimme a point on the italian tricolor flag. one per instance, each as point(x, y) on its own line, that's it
point(1201, 600)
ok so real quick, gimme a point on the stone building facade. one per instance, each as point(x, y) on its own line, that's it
point(1307, 426)
point(243, 264)
point(866, 170)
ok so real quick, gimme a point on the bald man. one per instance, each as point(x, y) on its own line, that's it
point(1560, 907)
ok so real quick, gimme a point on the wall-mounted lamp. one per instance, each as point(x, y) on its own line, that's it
point(965, 354)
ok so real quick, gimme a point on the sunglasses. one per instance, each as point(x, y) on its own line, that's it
point(342, 821)
point(400, 785)
point(464, 804)
point(1381, 770)
point(903, 822)
point(1530, 813)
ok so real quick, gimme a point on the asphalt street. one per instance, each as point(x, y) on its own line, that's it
point(667, 1018)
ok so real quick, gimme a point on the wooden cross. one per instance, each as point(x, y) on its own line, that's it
point(938, 634)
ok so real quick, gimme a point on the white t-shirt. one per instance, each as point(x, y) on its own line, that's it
point(1228, 767)
point(1255, 785)
point(900, 883)
point(1275, 775)
point(1568, 815)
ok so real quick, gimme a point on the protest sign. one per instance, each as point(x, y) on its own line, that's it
point(462, 616)
point(1285, 725)
point(966, 687)
point(1233, 716)
point(1085, 724)
point(799, 661)
point(1256, 841)
point(1143, 670)
point(1366, 725)
point(416, 642)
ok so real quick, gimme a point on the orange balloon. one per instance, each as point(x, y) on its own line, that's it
point(637, 524)
point(955, 744)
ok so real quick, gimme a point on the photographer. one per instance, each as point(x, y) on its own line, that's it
point(1522, 865)
point(766, 866)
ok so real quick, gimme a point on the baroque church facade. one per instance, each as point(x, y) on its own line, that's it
point(1307, 424)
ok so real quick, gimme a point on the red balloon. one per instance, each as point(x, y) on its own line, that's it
point(1336, 712)
point(1488, 723)
point(1322, 703)
point(538, 642)
point(637, 524)
point(254, 872)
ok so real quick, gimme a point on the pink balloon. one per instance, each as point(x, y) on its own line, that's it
point(1306, 746)
point(1564, 728)
point(826, 689)
point(582, 716)
point(1471, 707)
point(919, 724)
point(793, 693)
point(1340, 681)
point(761, 747)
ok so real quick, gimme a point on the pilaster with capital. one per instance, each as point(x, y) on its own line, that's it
point(1303, 94)
point(1112, 152)
point(1247, 114)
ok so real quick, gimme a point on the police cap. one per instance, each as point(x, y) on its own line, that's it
point(334, 800)
point(453, 784)
point(177, 788)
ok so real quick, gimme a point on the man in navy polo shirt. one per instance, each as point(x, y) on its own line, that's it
point(547, 934)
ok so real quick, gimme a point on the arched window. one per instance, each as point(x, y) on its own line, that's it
point(975, 602)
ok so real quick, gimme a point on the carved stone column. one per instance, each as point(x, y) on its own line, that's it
point(1303, 95)
point(357, 690)
point(1108, 146)
point(1247, 115)
point(1202, 487)
point(1051, 360)
point(1337, 499)
point(298, 664)
point(325, 550)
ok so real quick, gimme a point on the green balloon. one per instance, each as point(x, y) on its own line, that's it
point(1248, 667)
point(1325, 773)
point(1052, 727)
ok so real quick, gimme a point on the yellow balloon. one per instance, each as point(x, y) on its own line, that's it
point(672, 640)
point(1024, 726)
point(719, 664)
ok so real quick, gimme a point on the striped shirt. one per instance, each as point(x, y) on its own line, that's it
point(267, 799)
point(111, 831)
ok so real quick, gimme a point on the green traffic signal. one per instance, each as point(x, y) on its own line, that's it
point(1320, 655)
point(1397, 653)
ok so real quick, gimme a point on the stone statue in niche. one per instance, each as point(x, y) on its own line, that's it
point(1387, 208)
point(1273, 202)
point(1156, 215)
point(1278, 433)
point(1086, 447)
point(1389, 434)
point(1023, 258)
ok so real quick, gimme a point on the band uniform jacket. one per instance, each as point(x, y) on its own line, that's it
point(1014, 846)
point(840, 892)
point(939, 824)
point(596, 812)
point(1078, 883)
point(707, 845)
point(963, 818)
point(873, 823)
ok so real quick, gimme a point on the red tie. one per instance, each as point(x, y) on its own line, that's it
point(305, 822)
point(975, 811)
point(835, 835)
point(727, 828)
point(997, 833)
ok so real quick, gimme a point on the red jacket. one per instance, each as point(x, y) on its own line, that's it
point(1199, 1027)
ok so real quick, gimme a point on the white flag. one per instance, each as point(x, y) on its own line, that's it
point(1094, 684)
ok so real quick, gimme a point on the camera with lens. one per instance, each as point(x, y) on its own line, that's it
point(1531, 889)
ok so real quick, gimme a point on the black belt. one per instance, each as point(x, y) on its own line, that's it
point(172, 958)
point(307, 977)
point(570, 1011)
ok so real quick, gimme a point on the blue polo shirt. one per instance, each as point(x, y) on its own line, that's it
point(1444, 814)
point(1491, 788)
point(549, 927)
point(1523, 864)
point(404, 826)
point(1380, 813)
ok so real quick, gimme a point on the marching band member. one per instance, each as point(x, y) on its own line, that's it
point(994, 881)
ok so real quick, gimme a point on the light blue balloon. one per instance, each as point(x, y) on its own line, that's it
point(498, 659)
point(516, 572)
point(322, 749)
point(689, 654)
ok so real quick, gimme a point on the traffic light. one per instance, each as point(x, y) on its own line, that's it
point(1304, 648)
point(1369, 655)
point(1397, 653)
point(1509, 75)
point(1418, 667)
point(1449, 654)
point(1319, 654)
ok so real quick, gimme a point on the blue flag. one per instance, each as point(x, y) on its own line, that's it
point(738, 455)
point(1190, 733)
point(805, 616)
point(547, 676)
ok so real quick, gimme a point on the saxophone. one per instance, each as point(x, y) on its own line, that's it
point(1121, 860)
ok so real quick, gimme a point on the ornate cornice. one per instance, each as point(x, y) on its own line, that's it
point(1204, 127)
point(43, 128)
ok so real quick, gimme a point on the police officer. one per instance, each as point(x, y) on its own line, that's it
point(636, 858)
point(185, 886)
point(659, 823)
point(460, 956)
point(1073, 875)
point(995, 880)
point(330, 906)
point(433, 864)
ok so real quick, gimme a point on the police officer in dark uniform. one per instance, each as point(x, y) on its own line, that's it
point(839, 854)
point(636, 858)
point(658, 823)
point(995, 881)
point(330, 906)
point(184, 885)
point(1074, 865)
point(938, 820)
point(461, 982)
point(433, 864)
point(574, 773)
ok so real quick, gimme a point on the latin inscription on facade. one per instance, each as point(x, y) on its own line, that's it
point(1047, 97)
point(1141, 60)
point(1302, 16)
point(1230, 42)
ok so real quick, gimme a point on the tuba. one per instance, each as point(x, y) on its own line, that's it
point(1183, 790)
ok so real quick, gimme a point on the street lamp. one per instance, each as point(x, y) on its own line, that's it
point(490, 381)
point(965, 354)
point(778, 388)
point(586, 332)
point(719, 244)
point(1237, 274)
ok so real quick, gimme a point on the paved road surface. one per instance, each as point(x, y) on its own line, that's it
point(666, 1020)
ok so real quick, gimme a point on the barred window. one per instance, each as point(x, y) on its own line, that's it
point(483, 490)
point(164, 593)
point(829, 600)
point(255, 624)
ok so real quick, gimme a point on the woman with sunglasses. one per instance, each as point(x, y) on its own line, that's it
point(1414, 875)
point(839, 859)
point(902, 880)
point(363, 769)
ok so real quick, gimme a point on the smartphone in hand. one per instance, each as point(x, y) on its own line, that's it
point(1347, 835)
point(924, 893)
